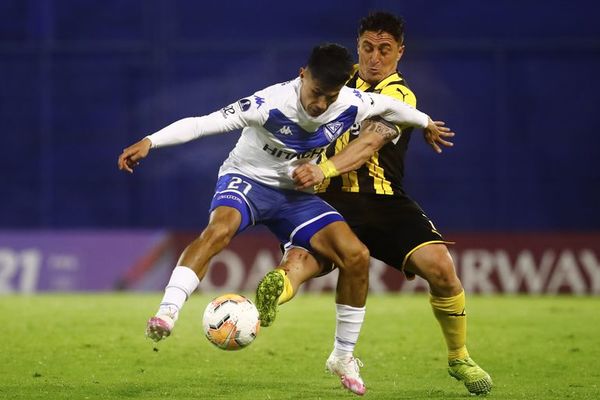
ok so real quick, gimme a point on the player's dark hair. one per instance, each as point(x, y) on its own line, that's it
point(380, 21)
point(330, 64)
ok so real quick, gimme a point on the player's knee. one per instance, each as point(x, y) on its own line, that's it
point(296, 256)
point(356, 260)
point(442, 276)
point(299, 264)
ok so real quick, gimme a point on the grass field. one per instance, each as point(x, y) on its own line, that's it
point(92, 347)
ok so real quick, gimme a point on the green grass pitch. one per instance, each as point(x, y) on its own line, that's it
point(93, 347)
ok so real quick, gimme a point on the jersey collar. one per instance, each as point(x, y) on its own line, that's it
point(365, 86)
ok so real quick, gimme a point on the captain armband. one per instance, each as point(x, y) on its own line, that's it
point(329, 170)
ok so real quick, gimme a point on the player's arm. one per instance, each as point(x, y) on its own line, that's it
point(402, 114)
point(373, 137)
point(374, 134)
point(234, 116)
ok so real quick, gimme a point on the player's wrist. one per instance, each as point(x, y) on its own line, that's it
point(151, 144)
point(328, 168)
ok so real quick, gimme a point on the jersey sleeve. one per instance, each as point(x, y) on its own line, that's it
point(394, 110)
point(245, 112)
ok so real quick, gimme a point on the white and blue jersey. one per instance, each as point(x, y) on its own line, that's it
point(277, 136)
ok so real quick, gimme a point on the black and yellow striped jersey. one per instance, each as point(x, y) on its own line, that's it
point(383, 172)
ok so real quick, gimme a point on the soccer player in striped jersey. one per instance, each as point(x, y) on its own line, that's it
point(361, 176)
point(284, 126)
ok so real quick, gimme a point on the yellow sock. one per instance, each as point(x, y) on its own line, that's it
point(288, 290)
point(450, 313)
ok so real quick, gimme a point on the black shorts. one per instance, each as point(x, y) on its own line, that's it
point(392, 227)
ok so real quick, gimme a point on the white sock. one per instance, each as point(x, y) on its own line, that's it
point(182, 284)
point(348, 323)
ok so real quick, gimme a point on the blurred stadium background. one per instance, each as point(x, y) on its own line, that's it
point(81, 80)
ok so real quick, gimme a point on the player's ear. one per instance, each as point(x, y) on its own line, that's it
point(400, 52)
point(301, 73)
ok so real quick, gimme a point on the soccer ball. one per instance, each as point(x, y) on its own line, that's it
point(231, 322)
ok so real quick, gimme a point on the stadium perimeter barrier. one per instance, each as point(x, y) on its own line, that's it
point(487, 263)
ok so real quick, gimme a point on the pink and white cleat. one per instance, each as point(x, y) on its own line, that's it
point(348, 369)
point(159, 327)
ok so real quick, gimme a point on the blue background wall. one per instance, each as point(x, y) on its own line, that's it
point(81, 80)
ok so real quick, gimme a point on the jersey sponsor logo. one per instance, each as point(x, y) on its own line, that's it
point(333, 129)
point(259, 101)
point(291, 155)
point(358, 94)
point(244, 104)
point(285, 130)
point(229, 110)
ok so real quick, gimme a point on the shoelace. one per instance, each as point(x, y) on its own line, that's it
point(357, 363)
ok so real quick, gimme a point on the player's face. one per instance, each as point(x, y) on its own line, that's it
point(378, 56)
point(313, 96)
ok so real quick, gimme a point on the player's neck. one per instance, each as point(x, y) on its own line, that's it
point(373, 83)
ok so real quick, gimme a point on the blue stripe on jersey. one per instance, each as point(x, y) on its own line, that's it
point(294, 137)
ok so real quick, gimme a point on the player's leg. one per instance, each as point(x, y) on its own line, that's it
point(281, 284)
point(311, 223)
point(230, 213)
point(191, 268)
point(222, 227)
point(337, 243)
point(299, 266)
point(397, 232)
point(433, 263)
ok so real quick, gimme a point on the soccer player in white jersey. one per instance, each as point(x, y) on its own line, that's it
point(284, 126)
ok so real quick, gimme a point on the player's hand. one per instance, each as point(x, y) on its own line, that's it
point(307, 175)
point(131, 156)
point(436, 133)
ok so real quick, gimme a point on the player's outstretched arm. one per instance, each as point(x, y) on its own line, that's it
point(184, 130)
point(436, 134)
point(374, 134)
point(178, 132)
point(131, 156)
